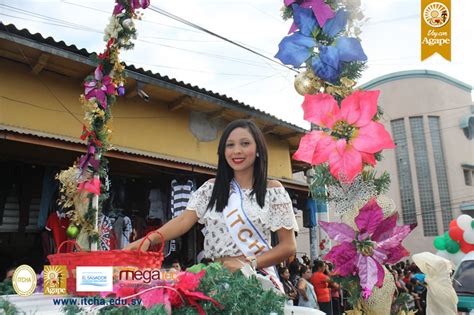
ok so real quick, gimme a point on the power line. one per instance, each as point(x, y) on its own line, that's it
point(86, 29)
point(196, 70)
point(186, 22)
point(145, 21)
point(202, 29)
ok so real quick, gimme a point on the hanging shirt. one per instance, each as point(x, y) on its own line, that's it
point(105, 233)
point(180, 194)
point(157, 205)
point(122, 228)
point(57, 225)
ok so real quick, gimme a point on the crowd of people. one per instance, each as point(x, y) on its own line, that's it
point(313, 285)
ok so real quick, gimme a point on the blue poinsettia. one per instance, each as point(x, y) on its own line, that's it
point(297, 48)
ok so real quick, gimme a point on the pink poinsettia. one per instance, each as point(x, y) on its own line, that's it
point(364, 251)
point(99, 87)
point(350, 137)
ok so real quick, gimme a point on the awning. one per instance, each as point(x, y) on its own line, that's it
point(73, 144)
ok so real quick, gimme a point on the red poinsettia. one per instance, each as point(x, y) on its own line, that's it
point(350, 135)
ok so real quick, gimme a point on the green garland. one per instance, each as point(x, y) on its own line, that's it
point(97, 103)
point(235, 293)
point(7, 307)
point(6, 287)
point(351, 285)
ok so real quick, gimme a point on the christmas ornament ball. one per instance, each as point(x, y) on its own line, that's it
point(306, 83)
point(72, 231)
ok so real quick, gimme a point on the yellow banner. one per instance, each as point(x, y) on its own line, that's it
point(436, 28)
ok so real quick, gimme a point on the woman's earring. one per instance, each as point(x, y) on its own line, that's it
point(258, 154)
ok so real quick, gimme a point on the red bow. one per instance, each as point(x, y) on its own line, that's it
point(91, 136)
point(92, 186)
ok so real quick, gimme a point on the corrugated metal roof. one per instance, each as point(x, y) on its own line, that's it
point(11, 30)
point(118, 149)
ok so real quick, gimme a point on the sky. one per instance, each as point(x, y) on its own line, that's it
point(390, 39)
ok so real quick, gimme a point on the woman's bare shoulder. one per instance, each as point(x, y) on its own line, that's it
point(272, 183)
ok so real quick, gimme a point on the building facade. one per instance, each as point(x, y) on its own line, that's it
point(429, 116)
point(163, 130)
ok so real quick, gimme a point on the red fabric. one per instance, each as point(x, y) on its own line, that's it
point(58, 226)
point(321, 287)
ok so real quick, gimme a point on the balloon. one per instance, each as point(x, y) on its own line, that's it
point(468, 236)
point(464, 221)
point(439, 243)
point(453, 223)
point(455, 233)
point(466, 247)
point(452, 246)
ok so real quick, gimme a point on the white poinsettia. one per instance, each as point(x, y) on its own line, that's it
point(112, 29)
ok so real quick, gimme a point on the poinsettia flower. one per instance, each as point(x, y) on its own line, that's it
point(303, 20)
point(327, 64)
point(336, 24)
point(295, 49)
point(363, 251)
point(321, 10)
point(350, 137)
point(99, 87)
point(134, 4)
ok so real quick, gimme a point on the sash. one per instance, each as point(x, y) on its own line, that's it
point(245, 234)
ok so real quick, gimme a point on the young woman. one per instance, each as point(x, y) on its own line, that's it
point(307, 295)
point(240, 207)
point(290, 290)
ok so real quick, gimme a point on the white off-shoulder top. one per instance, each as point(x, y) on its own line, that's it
point(277, 213)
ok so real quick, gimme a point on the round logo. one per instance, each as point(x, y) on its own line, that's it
point(24, 280)
point(436, 14)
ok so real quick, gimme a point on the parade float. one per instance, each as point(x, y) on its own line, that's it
point(343, 147)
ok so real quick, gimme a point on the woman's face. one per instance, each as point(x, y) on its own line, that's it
point(240, 149)
point(286, 274)
point(307, 274)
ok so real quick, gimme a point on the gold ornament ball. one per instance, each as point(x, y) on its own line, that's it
point(306, 83)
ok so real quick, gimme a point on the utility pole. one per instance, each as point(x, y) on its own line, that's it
point(313, 234)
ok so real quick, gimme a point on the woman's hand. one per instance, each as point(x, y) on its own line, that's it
point(233, 263)
point(136, 245)
point(292, 295)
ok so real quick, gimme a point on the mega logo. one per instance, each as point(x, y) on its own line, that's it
point(146, 276)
